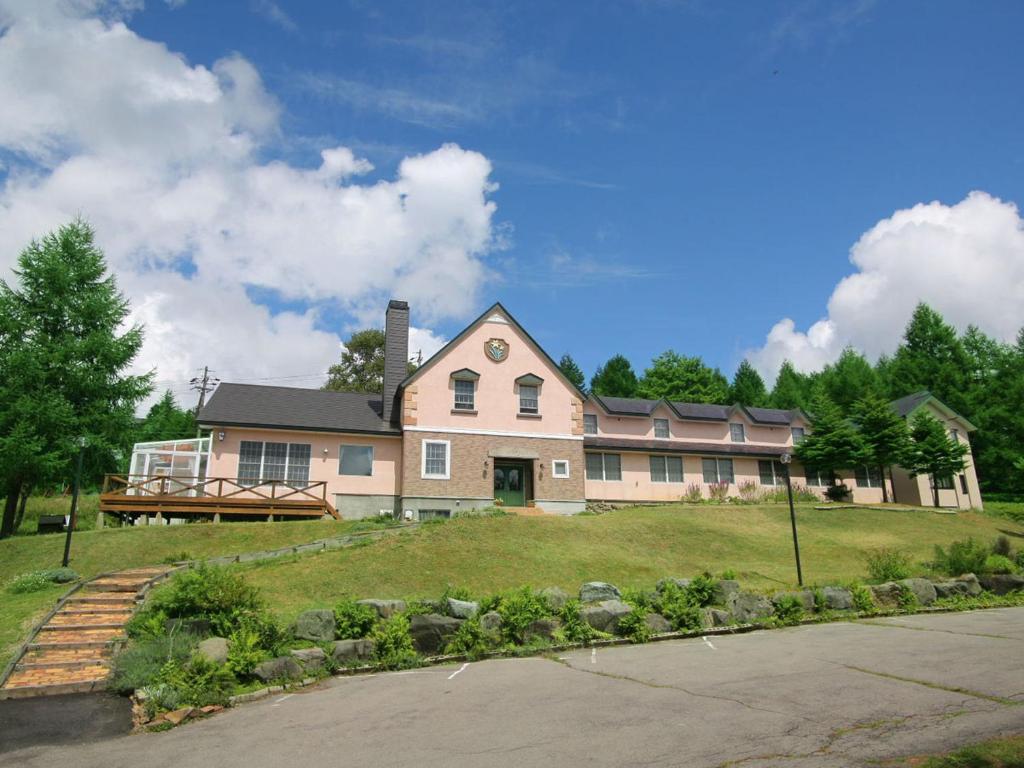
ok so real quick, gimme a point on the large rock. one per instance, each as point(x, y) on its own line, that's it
point(351, 651)
point(384, 608)
point(838, 599)
point(724, 591)
point(663, 583)
point(604, 616)
point(747, 607)
point(805, 597)
point(715, 617)
point(281, 668)
point(886, 594)
point(213, 649)
point(596, 591)
point(657, 623)
point(556, 597)
point(310, 659)
point(317, 625)
point(951, 588)
point(430, 632)
point(923, 590)
point(544, 628)
point(491, 621)
point(1002, 583)
point(462, 609)
point(971, 582)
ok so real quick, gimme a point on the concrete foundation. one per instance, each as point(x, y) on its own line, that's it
point(359, 507)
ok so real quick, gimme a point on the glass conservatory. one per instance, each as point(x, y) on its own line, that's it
point(169, 465)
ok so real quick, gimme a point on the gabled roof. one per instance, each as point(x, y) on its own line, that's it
point(256, 405)
point(496, 307)
point(636, 406)
point(702, 411)
point(626, 406)
point(906, 406)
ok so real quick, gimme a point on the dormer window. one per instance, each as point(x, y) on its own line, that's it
point(738, 433)
point(661, 428)
point(464, 386)
point(529, 394)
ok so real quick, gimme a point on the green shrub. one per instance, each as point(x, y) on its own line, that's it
point(199, 682)
point(694, 493)
point(61, 575)
point(518, 609)
point(888, 564)
point(246, 650)
point(394, 649)
point(634, 626)
point(679, 608)
point(819, 599)
point(146, 624)
point(965, 556)
point(863, 599)
point(139, 665)
point(178, 557)
point(355, 621)
point(905, 597)
point(837, 492)
point(222, 597)
point(29, 582)
point(788, 610)
point(999, 564)
point(469, 640)
point(1002, 546)
point(574, 628)
point(456, 593)
point(729, 574)
point(1019, 560)
point(701, 590)
point(638, 598)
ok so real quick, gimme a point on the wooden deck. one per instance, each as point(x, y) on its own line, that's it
point(213, 498)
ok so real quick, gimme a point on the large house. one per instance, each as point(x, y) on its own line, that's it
point(492, 417)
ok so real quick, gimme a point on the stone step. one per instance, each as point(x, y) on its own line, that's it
point(111, 585)
point(72, 637)
point(70, 645)
point(96, 661)
point(77, 623)
point(50, 656)
point(85, 609)
point(31, 690)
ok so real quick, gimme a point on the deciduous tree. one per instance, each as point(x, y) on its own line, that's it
point(686, 379)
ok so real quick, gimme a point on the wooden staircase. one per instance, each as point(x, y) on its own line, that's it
point(70, 651)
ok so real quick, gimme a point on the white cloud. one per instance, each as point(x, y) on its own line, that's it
point(273, 13)
point(162, 157)
point(965, 260)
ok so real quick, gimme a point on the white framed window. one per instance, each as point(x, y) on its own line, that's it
point(465, 390)
point(815, 478)
point(560, 468)
point(869, 477)
point(666, 469)
point(942, 483)
point(798, 435)
point(771, 472)
point(355, 460)
point(260, 462)
point(436, 460)
point(604, 466)
point(717, 470)
point(529, 401)
point(738, 433)
point(661, 428)
point(589, 423)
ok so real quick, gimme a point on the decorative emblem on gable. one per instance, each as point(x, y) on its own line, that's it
point(496, 349)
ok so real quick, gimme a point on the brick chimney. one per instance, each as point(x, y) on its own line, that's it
point(396, 358)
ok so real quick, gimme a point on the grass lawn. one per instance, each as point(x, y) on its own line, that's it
point(631, 548)
point(997, 753)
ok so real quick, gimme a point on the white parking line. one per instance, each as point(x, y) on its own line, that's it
point(709, 644)
point(593, 655)
point(286, 696)
point(453, 674)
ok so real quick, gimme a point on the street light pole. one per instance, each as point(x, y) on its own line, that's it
point(786, 459)
point(73, 517)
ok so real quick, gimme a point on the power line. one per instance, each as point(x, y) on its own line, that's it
point(203, 384)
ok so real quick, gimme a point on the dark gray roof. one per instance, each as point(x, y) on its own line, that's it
point(702, 411)
point(910, 403)
point(628, 406)
point(636, 406)
point(678, 446)
point(770, 415)
point(256, 405)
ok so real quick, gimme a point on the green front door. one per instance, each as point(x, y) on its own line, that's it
point(510, 483)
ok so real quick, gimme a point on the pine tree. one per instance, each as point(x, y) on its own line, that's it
point(791, 390)
point(884, 433)
point(849, 379)
point(933, 452)
point(615, 379)
point(748, 387)
point(931, 358)
point(572, 371)
point(833, 443)
point(63, 356)
point(686, 379)
point(166, 421)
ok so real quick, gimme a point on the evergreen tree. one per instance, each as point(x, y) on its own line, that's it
point(572, 371)
point(996, 411)
point(933, 452)
point(615, 379)
point(884, 433)
point(931, 357)
point(686, 379)
point(63, 357)
point(833, 442)
point(849, 379)
point(792, 389)
point(748, 387)
point(166, 421)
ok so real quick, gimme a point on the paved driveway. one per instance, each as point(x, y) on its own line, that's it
point(837, 694)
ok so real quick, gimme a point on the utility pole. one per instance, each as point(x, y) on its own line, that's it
point(205, 383)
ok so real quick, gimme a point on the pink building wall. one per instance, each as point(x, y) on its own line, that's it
point(323, 462)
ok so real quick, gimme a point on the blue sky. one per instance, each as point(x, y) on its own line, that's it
point(670, 174)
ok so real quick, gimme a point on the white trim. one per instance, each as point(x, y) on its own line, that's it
point(497, 317)
point(447, 459)
point(492, 432)
point(555, 474)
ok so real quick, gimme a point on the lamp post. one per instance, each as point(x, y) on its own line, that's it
point(786, 459)
point(73, 517)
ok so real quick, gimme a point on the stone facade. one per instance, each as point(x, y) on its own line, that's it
point(472, 466)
